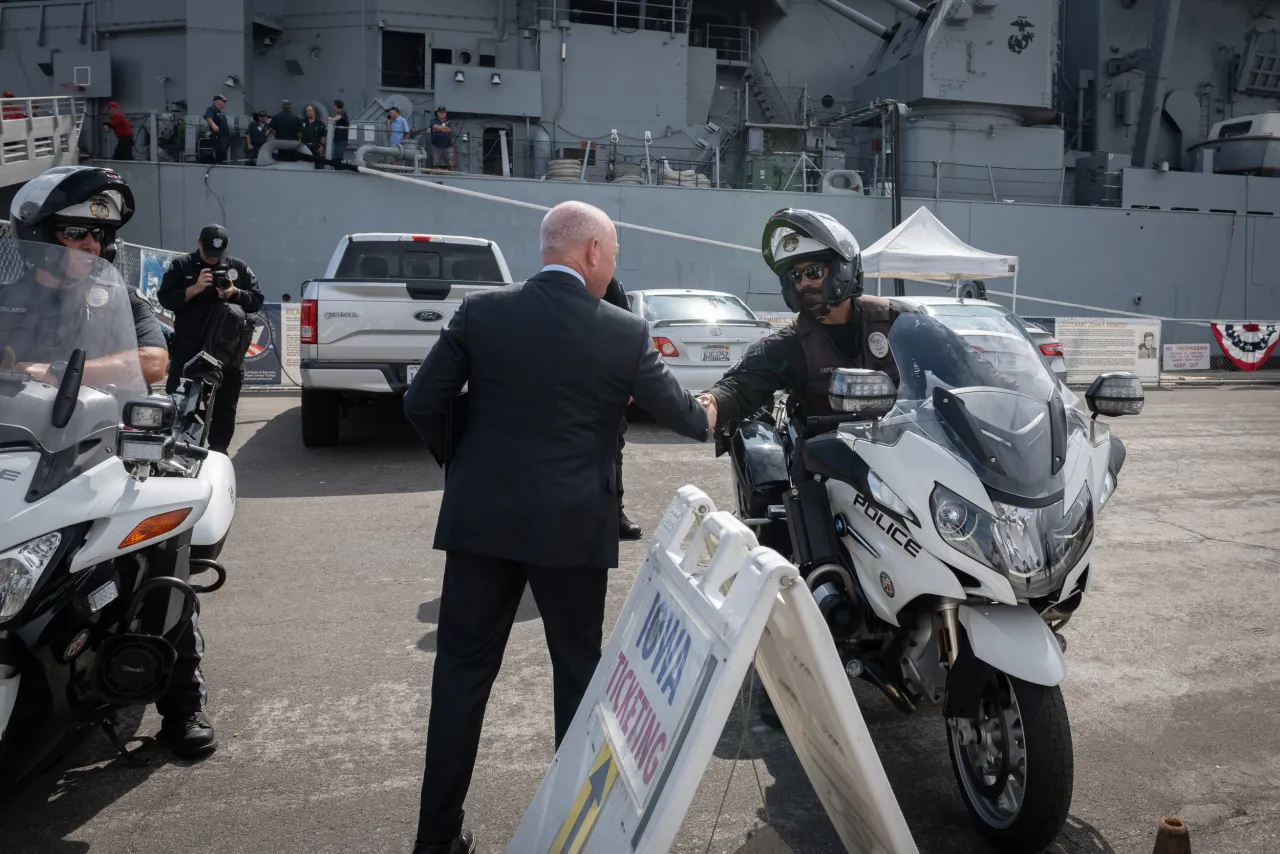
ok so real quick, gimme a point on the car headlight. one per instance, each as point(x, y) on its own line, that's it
point(20, 570)
point(1032, 547)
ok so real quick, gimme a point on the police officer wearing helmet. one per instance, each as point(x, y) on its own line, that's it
point(819, 265)
point(81, 208)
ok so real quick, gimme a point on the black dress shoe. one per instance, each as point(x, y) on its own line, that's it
point(190, 736)
point(464, 843)
point(767, 713)
point(627, 529)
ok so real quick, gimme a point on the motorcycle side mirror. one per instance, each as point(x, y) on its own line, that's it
point(857, 391)
point(1115, 395)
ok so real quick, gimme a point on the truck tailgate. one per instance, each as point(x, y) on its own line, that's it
point(384, 321)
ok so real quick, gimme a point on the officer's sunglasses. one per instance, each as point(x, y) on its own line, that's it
point(80, 232)
point(814, 273)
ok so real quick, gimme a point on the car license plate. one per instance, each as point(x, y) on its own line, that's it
point(410, 372)
point(715, 353)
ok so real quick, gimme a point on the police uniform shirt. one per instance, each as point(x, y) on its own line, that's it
point(220, 119)
point(44, 324)
point(190, 316)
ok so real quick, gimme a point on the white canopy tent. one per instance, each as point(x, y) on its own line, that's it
point(921, 248)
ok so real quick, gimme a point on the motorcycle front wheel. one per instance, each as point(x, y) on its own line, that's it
point(1012, 757)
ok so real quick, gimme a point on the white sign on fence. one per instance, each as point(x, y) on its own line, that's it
point(666, 682)
point(1096, 345)
point(1186, 357)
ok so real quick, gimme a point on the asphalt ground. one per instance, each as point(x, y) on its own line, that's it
point(320, 651)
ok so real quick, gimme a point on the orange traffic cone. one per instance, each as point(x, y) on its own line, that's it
point(1173, 837)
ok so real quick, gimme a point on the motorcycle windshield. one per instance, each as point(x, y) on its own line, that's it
point(975, 384)
point(55, 301)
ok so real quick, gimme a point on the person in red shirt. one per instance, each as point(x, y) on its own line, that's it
point(123, 131)
point(11, 111)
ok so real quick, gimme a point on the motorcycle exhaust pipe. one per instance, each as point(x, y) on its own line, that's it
point(832, 588)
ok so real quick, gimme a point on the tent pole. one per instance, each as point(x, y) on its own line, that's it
point(878, 282)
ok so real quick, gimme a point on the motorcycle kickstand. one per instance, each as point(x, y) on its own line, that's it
point(109, 727)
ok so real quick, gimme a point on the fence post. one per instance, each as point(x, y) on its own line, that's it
point(1062, 184)
point(153, 130)
point(937, 180)
point(582, 176)
point(992, 178)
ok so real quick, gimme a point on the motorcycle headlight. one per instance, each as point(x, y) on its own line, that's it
point(1108, 489)
point(1032, 547)
point(21, 568)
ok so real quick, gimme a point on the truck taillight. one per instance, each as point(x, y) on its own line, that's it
point(421, 238)
point(1054, 349)
point(308, 321)
point(665, 347)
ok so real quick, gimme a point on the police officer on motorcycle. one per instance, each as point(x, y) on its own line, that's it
point(819, 265)
point(81, 208)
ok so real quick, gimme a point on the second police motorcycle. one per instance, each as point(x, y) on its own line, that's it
point(946, 530)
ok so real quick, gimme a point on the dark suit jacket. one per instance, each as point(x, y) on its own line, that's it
point(549, 369)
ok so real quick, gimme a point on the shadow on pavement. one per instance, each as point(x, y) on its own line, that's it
point(380, 453)
point(914, 753)
point(49, 807)
point(429, 612)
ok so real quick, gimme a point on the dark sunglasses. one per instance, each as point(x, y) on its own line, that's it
point(814, 273)
point(80, 232)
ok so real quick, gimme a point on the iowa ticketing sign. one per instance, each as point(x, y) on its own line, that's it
point(696, 618)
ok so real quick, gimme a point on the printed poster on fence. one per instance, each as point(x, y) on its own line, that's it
point(1096, 345)
point(277, 333)
point(152, 264)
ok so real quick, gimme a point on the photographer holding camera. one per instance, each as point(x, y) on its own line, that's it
point(209, 292)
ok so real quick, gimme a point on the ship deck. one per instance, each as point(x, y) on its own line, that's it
point(320, 650)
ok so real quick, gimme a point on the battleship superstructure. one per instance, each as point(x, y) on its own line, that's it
point(1123, 148)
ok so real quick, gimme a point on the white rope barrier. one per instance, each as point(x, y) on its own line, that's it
point(740, 248)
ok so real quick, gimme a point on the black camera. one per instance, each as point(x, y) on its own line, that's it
point(220, 280)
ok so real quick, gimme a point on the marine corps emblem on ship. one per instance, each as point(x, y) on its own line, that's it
point(1021, 40)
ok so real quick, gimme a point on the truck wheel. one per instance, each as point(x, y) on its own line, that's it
point(321, 413)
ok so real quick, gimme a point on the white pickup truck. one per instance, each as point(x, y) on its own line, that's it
point(368, 324)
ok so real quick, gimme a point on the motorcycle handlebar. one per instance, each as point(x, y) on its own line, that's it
point(818, 422)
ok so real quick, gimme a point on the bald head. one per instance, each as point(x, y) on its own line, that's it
point(581, 237)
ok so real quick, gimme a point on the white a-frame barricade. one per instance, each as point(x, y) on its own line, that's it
point(635, 753)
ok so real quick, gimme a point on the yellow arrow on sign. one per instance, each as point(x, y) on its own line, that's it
point(586, 807)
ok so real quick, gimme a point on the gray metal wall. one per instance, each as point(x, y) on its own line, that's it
point(286, 223)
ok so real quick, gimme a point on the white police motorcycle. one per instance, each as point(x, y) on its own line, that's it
point(109, 501)
point(946, 531)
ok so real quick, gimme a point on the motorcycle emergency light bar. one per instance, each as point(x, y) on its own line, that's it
point(862, 392)
point(142, 447)
point(1115, 395)
point(149, 414)
point(155, 526)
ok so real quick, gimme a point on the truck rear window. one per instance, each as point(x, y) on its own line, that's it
point(404, 260)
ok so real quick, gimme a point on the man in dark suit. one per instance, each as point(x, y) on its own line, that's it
point(530, 484)
point(615, 294)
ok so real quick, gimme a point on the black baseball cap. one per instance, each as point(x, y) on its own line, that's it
point(219, 97)
point(213, 240)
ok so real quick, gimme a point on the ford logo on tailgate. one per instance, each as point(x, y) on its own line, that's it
point(428, 316)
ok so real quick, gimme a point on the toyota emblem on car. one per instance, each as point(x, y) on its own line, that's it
point(715, 330)
point(428, 316)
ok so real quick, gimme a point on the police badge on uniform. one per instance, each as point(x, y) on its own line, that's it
point(233, 274)
point(878, 344)
point(97, 297)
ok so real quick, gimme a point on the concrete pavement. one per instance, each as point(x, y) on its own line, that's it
point(320, 650)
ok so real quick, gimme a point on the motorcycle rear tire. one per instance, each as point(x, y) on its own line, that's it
point(1049, 776)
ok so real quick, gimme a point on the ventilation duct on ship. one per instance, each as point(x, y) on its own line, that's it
point(869, 24)
point(540, 148)
point(287, 146)
point(1182, 107)
point(408, 151)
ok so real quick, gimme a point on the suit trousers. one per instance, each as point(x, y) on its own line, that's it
point(477, 609)
point(617, 463)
